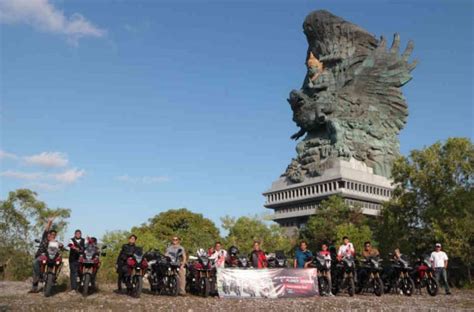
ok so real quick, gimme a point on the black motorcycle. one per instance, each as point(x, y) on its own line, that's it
point(202, 276)
point(398, 278)
point(166, 270)
point(323, 264)
point(424, 276)
point(369, 276)
point(345, 275)
point(154, 258)
point(277, 260)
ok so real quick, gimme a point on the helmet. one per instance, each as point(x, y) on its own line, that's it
point(233, 251)
point(201, 252)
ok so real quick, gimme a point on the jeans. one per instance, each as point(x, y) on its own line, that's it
point(442, 277)
point(182, 280)
point(36, 271)
point(74, 271)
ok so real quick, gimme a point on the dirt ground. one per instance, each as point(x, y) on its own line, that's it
point(14, 297)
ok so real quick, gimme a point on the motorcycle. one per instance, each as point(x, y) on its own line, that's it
point(137, 266)
point(167, 273)
point(277, 260)
point(399, 278)
point(369, 276)
point(345, 277)
point(323, 264)
point(202, 275)
point(154, 258)
point(424, 276)
point(50, 265)
point(89, 264)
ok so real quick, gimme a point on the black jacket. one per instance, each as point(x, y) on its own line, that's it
point(73, 253)
point(126, 251)
point(43, 246)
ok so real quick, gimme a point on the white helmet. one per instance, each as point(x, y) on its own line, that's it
point(201, 252)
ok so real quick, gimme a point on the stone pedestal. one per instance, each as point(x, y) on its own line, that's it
point(293, 203)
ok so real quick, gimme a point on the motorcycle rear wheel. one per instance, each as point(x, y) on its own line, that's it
point(85, 285)
point(48, 285)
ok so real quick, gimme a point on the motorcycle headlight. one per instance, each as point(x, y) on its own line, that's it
point(51, 256)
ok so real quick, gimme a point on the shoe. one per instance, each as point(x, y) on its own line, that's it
point(33, 290)
point(182, 294)
point(448, 293)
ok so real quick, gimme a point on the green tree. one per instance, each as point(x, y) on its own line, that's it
point(194, 229)
point(433, 201)
point(330, 216)
point(243, 231)
point(114, 241)
point(22, 219)
point(357, 234)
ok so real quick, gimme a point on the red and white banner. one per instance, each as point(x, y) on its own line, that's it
point(267, 283)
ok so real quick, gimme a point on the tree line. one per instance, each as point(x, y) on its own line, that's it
point(433, 201)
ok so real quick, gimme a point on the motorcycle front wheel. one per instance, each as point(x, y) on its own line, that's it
point(48, 285)
point(173, 286)
point(323, 286)
point(350, 286)
point(407, 286)
point(432, 286)
point(378, 286)
point(137, 290)
point(85, 285)
point(205, 287)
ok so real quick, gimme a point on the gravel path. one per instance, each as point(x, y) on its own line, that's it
point(14, 297)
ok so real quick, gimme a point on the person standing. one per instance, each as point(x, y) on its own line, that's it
point(76, 247)
point(257, 257)
point(346, 249)
point(439, 262)
point(121, 265)
point(219, 255)
point(48, 235)
point(172, 251)
point(303, 256)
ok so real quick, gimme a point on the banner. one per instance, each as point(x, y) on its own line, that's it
point(267, 283)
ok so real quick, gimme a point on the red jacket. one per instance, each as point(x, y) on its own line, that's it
point(258, 259)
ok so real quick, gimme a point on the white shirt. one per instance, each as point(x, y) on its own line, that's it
point(219, 257)
point(346, 250)
point(437, 259)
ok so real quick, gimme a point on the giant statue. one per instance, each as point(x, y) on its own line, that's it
point(350, 104)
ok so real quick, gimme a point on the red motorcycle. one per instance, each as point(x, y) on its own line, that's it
point(89, 264)
point(50, 266)
point(137, 267)
point(424, 276)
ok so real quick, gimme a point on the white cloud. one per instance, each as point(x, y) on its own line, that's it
point(143, 180)
point(21, 175)
point(47, 159)
point(43, 16)
point(5, 155)
point(68, 176)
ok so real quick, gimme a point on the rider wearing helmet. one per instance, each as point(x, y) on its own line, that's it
point(232, 259)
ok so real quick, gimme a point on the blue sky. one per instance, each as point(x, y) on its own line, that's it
point(120, 110)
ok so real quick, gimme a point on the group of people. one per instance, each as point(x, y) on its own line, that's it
point(304, 257)
point(258, 259)
point(77, 245)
